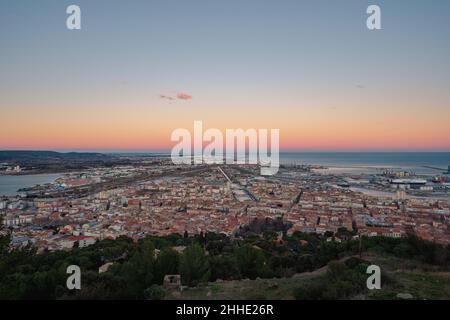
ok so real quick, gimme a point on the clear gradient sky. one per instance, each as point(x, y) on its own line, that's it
point(310, 68)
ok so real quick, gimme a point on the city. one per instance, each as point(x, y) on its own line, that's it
point(160, 198)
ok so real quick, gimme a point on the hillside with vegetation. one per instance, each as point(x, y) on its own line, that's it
point(215, 266)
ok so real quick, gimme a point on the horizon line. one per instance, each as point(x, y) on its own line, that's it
point(166, 151)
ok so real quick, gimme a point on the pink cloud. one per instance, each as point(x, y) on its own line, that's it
point(184, 96)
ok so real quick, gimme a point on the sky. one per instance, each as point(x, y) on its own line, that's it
point(138, 70)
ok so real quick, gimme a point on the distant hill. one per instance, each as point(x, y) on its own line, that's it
point(25, 154)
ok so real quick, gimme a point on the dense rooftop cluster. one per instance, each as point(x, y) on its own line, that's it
point(219, 199)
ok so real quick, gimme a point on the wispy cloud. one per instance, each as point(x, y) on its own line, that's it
point(179, 96)
point(164, 97)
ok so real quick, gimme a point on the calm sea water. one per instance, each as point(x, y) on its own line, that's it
point(373, 161)
point(10, 184)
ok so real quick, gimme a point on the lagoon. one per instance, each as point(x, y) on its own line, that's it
point(9, 184)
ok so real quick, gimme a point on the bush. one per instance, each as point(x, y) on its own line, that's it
point(155, 292)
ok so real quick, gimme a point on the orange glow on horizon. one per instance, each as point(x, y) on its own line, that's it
point(139, 127)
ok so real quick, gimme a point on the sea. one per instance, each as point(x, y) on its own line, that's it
point(425, 163)
point(9, 185)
